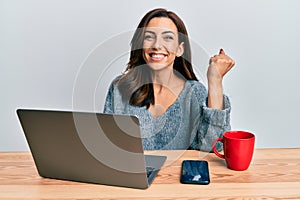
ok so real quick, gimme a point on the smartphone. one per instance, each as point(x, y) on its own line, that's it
point(195, 172)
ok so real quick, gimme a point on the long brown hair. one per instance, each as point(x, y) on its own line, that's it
point(135, 84)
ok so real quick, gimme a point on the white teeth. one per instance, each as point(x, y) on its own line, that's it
point(157, 56)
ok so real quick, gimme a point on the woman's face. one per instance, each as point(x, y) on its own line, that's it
point(161, 45)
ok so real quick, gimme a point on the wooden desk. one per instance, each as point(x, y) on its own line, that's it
point(273, 174)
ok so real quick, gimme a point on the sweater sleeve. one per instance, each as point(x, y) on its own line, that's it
point(109, 101)
point(212, 123)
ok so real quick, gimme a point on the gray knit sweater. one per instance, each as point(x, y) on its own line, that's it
point(186, 124)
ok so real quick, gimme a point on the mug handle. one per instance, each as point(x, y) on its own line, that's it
point(214, 147)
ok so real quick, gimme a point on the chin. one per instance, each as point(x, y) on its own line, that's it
point(157, 66)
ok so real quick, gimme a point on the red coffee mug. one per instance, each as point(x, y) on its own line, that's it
point(238, 149)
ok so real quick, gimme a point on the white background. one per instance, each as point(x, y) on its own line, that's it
point(44, 45)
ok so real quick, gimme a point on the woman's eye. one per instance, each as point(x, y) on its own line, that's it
point(148, 37)
point(169, 37)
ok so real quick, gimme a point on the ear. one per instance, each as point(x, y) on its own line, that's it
point(180, 49)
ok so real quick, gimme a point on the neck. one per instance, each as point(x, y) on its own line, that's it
point(163, 78)
point(167, 80)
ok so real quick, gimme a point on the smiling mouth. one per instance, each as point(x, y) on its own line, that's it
point(157, 56)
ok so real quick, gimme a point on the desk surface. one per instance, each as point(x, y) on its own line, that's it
point(273, 174)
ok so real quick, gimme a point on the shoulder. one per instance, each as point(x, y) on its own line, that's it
point(195, 91)
point(113, 87)
point(114, 82)
point(195, 86)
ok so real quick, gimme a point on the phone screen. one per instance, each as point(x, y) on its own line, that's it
point(195, 172)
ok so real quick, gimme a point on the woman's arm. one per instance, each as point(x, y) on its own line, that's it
point(209, 123)
point(219, 65)
point(216, 115)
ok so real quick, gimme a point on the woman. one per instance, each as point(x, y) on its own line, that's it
point(159, 87)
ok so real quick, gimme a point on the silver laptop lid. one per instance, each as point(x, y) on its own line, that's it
point(86, 147)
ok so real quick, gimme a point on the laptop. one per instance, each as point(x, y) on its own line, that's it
point(89, 147)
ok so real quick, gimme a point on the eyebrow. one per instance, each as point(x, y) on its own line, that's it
point(165, 32)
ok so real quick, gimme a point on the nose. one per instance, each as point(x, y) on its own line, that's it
point(157, 44)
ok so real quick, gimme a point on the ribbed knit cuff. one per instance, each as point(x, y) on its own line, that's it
point(217, 117)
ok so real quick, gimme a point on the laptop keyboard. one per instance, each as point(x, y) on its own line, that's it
point(149, 170)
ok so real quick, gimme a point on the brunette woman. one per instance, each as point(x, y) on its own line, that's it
point(159, 86)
